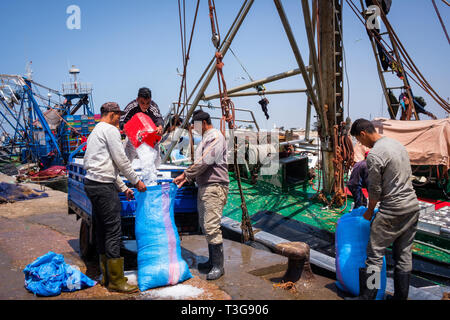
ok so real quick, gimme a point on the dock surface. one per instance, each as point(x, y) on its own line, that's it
point(32, 228)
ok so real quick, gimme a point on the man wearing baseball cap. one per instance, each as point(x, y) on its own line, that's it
point(210, 170)
point(104, 159)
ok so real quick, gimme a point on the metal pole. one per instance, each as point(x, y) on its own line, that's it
point(214, 58)
point(308, 101)
point(33, 104)
point(246, 94)
point(253, 84)
point(312, 49)
point(300, 62)
point(211, 74)
point(12, 114)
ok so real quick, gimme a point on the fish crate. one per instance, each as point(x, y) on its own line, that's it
point(426, 208)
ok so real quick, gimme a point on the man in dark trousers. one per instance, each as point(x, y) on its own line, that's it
point(103, 160)
point(358, 181)
point(143, 103)
point(210, 170)
point(396, 222)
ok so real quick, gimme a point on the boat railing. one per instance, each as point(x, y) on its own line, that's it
point(173, 111)
point(77, 88)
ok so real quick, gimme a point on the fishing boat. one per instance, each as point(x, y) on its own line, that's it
point(302, 200)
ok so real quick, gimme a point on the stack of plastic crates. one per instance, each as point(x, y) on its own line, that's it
point(83, 124)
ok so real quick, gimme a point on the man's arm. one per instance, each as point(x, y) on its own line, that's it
point(118, 155)
point(375, 174)
point(129, 113)
point(120, 185)
point(155, 114)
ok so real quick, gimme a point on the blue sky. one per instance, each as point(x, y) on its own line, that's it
point(124, 45)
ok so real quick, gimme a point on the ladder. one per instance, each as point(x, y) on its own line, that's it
point(393, 106)
point(339, 69)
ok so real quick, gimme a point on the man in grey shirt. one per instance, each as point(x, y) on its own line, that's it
point(396, 222)
point(210, 170)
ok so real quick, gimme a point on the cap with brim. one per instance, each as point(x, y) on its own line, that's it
point(111, 107)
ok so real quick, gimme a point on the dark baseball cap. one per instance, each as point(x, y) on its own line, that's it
point(200, 115)
point(111, 107)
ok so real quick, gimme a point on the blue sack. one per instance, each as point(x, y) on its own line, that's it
point(159, 252)
point(48, 275)
point(351, 239)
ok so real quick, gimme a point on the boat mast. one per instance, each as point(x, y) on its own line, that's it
point(331, 77)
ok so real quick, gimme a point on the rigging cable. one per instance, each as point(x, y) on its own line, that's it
point(228, 115)
point(440, 19)
point(421, 82)
point(409, 61)
point(412, 67)
point(186, 58)
point(242, 66)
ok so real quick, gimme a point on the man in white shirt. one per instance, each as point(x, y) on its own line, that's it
point(104, 159)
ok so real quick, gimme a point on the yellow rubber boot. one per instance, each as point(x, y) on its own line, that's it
point(117, 282)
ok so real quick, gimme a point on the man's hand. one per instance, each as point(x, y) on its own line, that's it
point(141, 186)
point(129, 194)
point(159, 130)
point(368, 214)
point(180, 180)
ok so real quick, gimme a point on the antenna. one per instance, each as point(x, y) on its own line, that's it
point(29, 71)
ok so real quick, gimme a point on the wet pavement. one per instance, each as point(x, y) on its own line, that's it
point(31, 228)
point(256, 274)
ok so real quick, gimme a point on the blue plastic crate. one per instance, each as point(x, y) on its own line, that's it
point(186, 200)
point(128, 207)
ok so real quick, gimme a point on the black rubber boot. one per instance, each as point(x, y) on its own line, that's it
point(217, 262)
point(364, 292)
point(206, 266)
point(401, 285)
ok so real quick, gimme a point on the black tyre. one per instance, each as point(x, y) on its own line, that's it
point(87, 248)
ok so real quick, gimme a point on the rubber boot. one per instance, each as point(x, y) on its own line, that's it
point(217, 262)
point(102, 265)
point(206, 266)
point(117, 282)
point(401, 285)
point(364, 292)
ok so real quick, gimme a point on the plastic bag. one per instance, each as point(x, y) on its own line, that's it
point(159, 252)
point(351, 239)
point(48, 275)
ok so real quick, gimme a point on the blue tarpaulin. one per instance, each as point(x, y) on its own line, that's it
point(48, 275)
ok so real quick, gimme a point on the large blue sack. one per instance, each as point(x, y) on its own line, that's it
point(351, 239)
point(48, 275)
point(159, 252)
